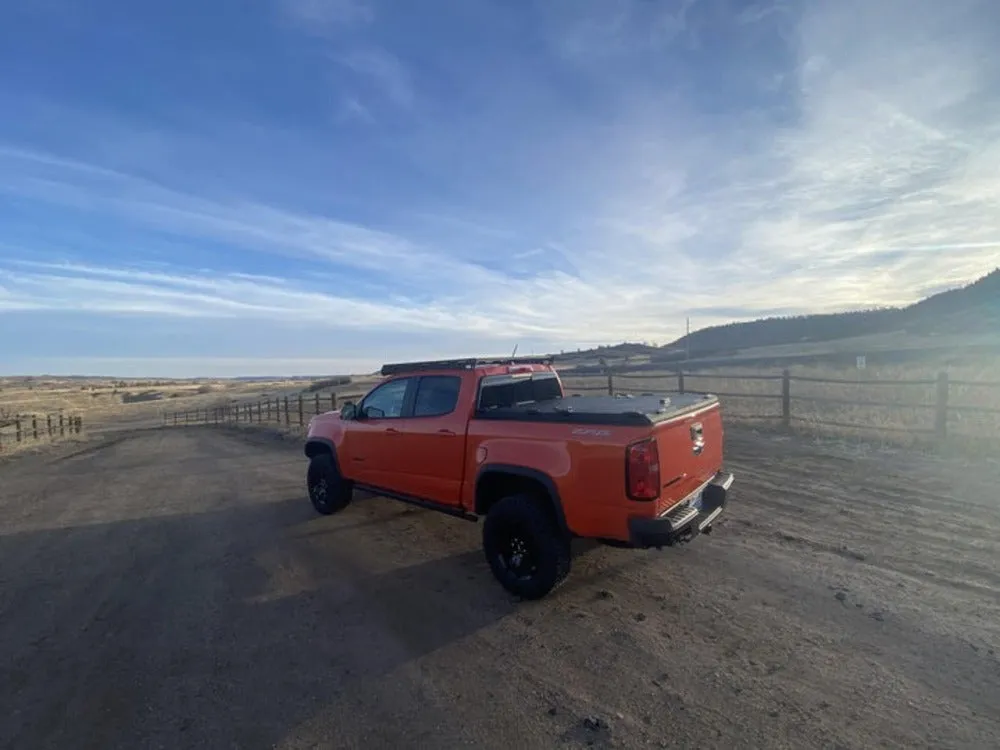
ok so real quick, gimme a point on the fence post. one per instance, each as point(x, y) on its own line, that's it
point(786, 398)
point(333, 401)
point(260, 412)
point(79, 425)
point(48, 424)
point(611, 384)
point(17, 428)
point(34, 427)
point(268, 409)
point(288, 419)
point(317, 403)
point(941, 412)
point(680, 381)
point(300, 410)
point(62, 429)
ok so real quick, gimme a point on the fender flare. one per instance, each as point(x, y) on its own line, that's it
point(527, 473)
point(325, 443)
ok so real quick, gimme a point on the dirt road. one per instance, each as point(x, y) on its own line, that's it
point(174, 589)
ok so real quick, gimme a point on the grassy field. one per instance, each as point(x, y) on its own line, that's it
point(110, 404)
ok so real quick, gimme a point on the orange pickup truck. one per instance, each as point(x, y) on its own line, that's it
point(499, 439)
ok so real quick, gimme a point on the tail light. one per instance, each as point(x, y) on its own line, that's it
point(642, 470)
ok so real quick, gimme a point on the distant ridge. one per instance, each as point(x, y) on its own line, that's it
point(972, 309)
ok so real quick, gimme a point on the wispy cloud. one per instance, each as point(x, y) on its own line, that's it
point(324, 16)
point(383, 72)
point(593, 31)
point(351, 108)
point(185, 367)
point(78, 288)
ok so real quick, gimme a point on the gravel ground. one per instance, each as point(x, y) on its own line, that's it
point(173, 588)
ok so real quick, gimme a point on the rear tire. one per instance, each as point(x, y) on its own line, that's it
point(527, 552)
point(329, 492)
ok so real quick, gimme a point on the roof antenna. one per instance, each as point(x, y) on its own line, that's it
point(514, 353)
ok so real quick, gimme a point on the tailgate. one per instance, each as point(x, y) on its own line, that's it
point(690, 450)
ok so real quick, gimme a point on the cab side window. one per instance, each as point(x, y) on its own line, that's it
point(387, 401)
point(437, 395)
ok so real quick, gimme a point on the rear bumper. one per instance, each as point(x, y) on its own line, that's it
point(687, 519)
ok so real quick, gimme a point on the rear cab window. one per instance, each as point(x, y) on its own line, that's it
point(502, 391)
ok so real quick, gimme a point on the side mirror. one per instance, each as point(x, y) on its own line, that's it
point(348, 411)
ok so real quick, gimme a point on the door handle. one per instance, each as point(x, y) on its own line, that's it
point(391, 431)
point(446, 432)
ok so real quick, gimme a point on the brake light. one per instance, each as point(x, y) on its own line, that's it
point(642, 470)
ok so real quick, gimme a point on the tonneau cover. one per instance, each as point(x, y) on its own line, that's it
point(605, 410)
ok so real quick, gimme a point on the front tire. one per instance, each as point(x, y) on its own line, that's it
point(329, 492)
point(527, 552)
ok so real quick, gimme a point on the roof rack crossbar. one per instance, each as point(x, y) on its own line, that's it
point(461, 364)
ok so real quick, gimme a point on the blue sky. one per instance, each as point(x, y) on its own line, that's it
point(312, 186)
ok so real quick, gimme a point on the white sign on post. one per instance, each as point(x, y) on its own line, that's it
point(861, 362)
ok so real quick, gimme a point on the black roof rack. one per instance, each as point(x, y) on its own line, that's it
point(461, 364)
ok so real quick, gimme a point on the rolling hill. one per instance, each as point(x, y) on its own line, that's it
point(972, 309)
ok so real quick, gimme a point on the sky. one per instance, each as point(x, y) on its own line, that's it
point(256, 187)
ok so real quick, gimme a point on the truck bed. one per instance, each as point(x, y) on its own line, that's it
point(619, 410)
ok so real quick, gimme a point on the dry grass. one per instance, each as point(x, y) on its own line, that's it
point(894, 404)
point(106, 403)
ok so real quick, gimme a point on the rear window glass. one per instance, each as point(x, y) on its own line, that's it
point(504, 393)
point(436, 395)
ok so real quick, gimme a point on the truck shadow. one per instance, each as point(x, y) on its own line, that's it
point(228, 628)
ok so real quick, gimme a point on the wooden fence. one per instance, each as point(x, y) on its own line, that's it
point(21, 429)
point(287, 411)
point(935, 409)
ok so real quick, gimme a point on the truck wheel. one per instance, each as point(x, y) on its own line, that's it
point(526, 551)
point(328, 491)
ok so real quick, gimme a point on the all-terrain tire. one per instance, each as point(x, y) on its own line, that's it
point(329, 492)
point(524, 546)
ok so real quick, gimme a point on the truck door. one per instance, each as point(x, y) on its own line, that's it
point(431, 455)
point(373, 443)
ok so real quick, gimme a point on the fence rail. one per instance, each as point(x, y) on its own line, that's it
point(795, 392)
point(21, 429)
point(793, 400)
point(286, 411)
